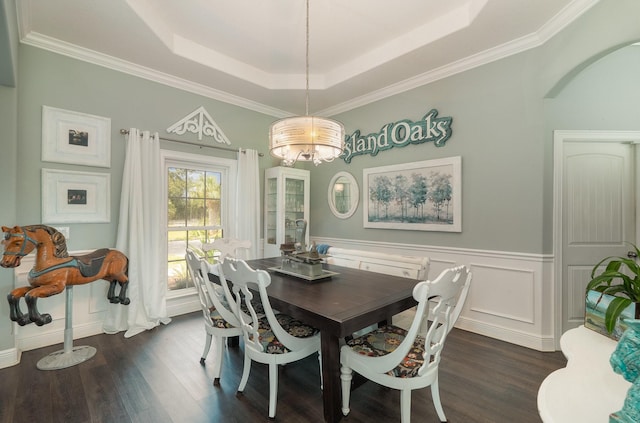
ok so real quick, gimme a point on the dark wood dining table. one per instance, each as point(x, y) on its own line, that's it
point(338, 306)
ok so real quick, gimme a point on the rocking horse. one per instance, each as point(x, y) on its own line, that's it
point(55, 269)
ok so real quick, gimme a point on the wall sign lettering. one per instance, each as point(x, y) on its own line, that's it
point(399, 134)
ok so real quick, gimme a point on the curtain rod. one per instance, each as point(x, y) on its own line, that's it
point(126, 132)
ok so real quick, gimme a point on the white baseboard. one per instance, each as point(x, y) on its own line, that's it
point(182, 305)
point(507, 335)
point(9, 357)
point(56, 336)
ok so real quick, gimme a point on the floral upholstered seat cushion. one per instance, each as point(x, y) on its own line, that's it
point(385, 340)
point(294, 327)
point(217, 320)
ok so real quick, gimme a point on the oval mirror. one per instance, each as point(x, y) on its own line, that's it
point(343, 195)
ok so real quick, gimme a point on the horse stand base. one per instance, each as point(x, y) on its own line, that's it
point(70, 355)
point(63, 359)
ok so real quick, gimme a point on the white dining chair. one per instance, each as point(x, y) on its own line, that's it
point(409, 359)
point(220, 322)
point(273, 339)
point(228, 247)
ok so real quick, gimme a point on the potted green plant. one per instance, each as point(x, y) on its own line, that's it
point(621, 280)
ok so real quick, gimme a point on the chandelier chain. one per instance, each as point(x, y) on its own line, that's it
point(307, 63)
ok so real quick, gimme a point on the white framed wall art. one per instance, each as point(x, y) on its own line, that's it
point(75, 197)
point(75, 138)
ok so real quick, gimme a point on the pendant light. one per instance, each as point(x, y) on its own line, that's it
point(306, 138)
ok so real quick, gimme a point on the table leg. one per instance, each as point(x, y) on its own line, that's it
point(331, 393)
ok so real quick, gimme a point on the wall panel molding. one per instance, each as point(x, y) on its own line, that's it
point(511, 295)
point(520, 282)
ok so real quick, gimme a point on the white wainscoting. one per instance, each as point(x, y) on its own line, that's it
point(511, 295)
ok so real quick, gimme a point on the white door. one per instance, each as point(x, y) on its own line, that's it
point(598, 215)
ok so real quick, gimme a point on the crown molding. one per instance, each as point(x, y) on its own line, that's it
point(437, 74)
point(561, 20)
point(566, 16)
point(70, 50)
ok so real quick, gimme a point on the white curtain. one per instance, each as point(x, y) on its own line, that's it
point(247, 219)
point(139, 238)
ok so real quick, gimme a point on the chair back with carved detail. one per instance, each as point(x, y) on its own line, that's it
point(273, 338)
point(409, 359)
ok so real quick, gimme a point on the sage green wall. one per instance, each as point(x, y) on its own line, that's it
point(606, 95)
point(8, 44)
point(493, 119)
point(502, 127)
point(58, 81)
point(8, 151)
point(8, 119)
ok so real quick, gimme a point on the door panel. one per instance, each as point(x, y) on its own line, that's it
point(598, 215)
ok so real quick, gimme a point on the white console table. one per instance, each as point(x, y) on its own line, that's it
point(588, 389)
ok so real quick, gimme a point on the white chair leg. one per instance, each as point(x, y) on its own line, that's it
point(217, 359)
point(273, 389)
point(405, 405)
point(207, 346)
point(245, 373)
point(346, 374)
point(320, 361)
point(435, 394)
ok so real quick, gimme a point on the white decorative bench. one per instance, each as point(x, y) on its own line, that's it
point(390, 264)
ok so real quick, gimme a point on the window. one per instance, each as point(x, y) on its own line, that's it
point(198, 205)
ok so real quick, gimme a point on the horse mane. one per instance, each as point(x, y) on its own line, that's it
point(59, 242)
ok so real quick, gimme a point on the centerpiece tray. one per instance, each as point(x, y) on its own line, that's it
point(325, 274)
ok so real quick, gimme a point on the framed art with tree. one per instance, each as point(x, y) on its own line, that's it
point(420, 196)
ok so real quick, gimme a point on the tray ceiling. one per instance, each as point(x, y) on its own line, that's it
point(252, 52)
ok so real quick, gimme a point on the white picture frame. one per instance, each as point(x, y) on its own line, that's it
point(75, 197)
point(75, 138)
point(437, 207)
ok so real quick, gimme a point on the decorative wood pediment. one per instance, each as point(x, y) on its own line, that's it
point(199, 122)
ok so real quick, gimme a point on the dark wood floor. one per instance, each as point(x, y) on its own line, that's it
point(156, 377)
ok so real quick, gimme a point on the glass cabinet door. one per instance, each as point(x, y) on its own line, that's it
point(270, 218)
point(286, 201)
point(293, 207)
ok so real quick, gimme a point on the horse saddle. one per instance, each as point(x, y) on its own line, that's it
point(91, 263)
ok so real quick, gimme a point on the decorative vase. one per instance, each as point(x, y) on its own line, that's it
point(625, 360)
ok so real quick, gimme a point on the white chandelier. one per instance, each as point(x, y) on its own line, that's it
point(306, 138)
